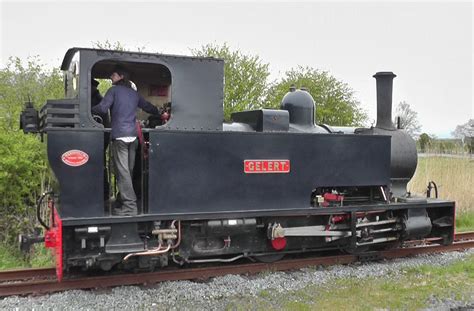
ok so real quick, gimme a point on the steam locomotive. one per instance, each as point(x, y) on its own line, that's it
point(270, 183)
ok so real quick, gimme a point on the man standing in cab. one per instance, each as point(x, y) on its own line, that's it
point(123, 101)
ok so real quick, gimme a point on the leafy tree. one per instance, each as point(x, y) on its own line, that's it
point(335, 101)
point(23, 169)
point(245, 84)
point(117, 46)
point(408, 119)
point(466, 133)
point(464, 130)
point(21, 82)
point(424, 141)
point(470, 144)
point(23, 175)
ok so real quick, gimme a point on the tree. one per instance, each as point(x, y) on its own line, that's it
point(245, 84)
point(466, 133)
point(335, 101)
point(117, 46)
point(20, 83)
point(424, 141)
point(23, 168)
point(464, 130)
point(408, 119)
point(23, 175)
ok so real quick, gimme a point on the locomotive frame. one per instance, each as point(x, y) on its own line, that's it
point(270, 183)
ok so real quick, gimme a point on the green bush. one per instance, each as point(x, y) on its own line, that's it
point(23, 172)
point(12, 258)
point(23, 169)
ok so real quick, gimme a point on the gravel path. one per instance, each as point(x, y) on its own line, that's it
point(212, 295)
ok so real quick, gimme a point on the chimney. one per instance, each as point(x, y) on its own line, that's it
point(384, 99)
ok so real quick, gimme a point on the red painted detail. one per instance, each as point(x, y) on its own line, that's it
point(53, 239)
point(142, 141)
point(50, 238)
point(266, 166)
point(278, 243)
point(333, 197)
point(227, 242)
point(339, 218)
point(75, 157)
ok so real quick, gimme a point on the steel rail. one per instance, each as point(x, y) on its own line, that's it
point(43, 286)
point(22, 274)
point(468, 235)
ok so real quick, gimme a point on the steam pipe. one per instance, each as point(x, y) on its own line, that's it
point(207, 260)
point(384, 99)
point(155, 251)
point(179, 233)
point(159, 250)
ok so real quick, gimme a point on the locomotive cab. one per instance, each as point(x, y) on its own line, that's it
point(151, 80)
point(78, 140)
point(153, 83)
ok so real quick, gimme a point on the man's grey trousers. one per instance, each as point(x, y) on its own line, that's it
point(123, 157)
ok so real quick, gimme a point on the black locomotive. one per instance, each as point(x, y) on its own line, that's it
point(270, 183)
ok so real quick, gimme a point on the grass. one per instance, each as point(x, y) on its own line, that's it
point(465, 221)
point(413, 290)
point(454, 177)
point(11, 258)
point(455, 180)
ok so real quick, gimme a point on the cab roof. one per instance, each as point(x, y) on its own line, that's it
point(70, 53)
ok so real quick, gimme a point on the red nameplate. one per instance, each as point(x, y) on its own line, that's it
point(266, 166)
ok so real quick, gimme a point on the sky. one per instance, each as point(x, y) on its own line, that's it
point(428, 45)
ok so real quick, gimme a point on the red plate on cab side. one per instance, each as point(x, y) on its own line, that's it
point(266, 166)
point(75, 157)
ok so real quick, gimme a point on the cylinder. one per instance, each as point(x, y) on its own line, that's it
point(384, 99)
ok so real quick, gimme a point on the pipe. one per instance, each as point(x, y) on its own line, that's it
point(158, 250)
point(384, 99)
point(379, 240)
point(155, 251)
point(182, 262)
point(214, 259)
point(173, 255)
point(179, 233)
point(384, 194)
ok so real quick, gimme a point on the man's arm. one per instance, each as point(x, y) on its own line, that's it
point(104, 105)
point(146, 106)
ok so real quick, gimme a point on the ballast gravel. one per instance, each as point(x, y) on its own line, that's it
point(213, 295)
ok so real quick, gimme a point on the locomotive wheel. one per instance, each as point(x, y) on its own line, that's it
point(376, 247)
point(357, 251)
point(269, 258)
point(388, 245)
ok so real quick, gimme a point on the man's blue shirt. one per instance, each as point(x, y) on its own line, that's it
point(123, 103)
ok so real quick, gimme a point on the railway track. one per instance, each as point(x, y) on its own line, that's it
point(43, 281)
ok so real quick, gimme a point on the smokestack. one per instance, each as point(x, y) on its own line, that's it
point(384, 99)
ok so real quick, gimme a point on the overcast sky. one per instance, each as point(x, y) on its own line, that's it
point(427, 45)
